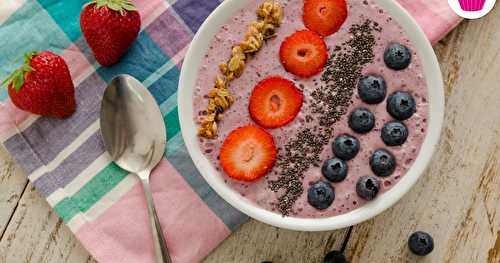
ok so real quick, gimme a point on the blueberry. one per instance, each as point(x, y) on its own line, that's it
point(335, 257)
point(382, 163)
point(401, 105)
point(394, 133)
point(372, 89)
point(397, 56)
point(368, 187)
point(345, 147)
point(361, 120)
point(320, 195)
point(420, 243)
point(335, 170)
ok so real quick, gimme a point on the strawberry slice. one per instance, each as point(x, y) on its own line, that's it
point(324, 17)
point(248, 153)
point(274, 102)
point(304, 53)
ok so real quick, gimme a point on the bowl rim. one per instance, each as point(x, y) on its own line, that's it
point(187, 82)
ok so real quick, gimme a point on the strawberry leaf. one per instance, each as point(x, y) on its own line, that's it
point(27, 68)
point(114, 6)
point(28, 56)
point(16, 78)
point(121, 6)
point(7, 80)
point(18, 81)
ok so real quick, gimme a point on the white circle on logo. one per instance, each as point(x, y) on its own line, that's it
point(455, 5)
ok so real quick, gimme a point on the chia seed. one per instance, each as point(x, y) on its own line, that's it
point(330, 101)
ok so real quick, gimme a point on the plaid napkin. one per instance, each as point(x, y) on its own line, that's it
point(65, 159)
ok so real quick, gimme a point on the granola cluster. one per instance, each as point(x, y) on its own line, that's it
point(270, 15)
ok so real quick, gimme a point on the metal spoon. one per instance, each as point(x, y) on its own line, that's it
point(134, 134)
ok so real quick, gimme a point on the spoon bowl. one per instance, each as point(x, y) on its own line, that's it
point(134, 134)
point(132, 125)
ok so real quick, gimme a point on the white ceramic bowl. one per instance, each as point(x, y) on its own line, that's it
point(187, 82)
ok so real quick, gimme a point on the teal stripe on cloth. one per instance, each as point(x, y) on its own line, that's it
point(3, 94)
point(29, 28)
point(37, 32)
point(172, 123)
point(66, 14)
point(174, 143)
point(169, 104)
point(92, 192)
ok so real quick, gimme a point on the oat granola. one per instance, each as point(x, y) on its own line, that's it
point(270, 15)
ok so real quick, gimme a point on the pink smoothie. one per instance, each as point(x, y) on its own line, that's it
point(267, 63)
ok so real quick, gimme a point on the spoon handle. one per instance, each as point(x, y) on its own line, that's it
point(162, 255)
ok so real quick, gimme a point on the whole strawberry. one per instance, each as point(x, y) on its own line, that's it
point(110, 27)
point(43, 85)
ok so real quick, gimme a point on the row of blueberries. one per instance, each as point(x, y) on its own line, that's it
point(401, 106)
point(372, 89)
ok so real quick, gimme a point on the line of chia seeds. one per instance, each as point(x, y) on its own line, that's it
point(330, 102)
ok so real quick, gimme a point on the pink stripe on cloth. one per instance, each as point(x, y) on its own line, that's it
point(435, 17)
point(191, 228)
point(148, 7)
point(10, 117)
point(76, 61)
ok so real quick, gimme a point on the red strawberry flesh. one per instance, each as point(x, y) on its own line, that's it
point(248, 153)
point(275, 102)
point(325, 17)
point(304, 53)
point(47, 89)
point(109, 33)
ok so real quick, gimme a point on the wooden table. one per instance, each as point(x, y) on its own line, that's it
point(457, 200)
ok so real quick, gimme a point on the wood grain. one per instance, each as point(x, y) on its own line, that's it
point(257, 242)
point(12, 185)
point(36, 234)
point(457, 200)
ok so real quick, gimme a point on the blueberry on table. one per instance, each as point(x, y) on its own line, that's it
point(345, 147)
point(335, 257)
point(320, 195)
point(335, 170)
point(420, 243)
point(394, 133)
point(397, 56)
point(361, 120)
point(382, 163)
point(367, 187)
point(401, 105)
point(372, 89)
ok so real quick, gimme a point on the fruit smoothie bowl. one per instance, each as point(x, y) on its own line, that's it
point(311, 115)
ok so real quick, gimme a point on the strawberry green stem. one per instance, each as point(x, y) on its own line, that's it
point(16, 78)
point(121, 6)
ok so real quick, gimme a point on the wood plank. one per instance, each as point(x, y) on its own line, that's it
point(36, 234)
point(257, 242)
point(12, 185)
point(457, 200)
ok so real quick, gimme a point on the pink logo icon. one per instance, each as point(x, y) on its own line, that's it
point(472, 5)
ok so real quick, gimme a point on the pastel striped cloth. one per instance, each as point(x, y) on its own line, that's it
point(65, 159)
